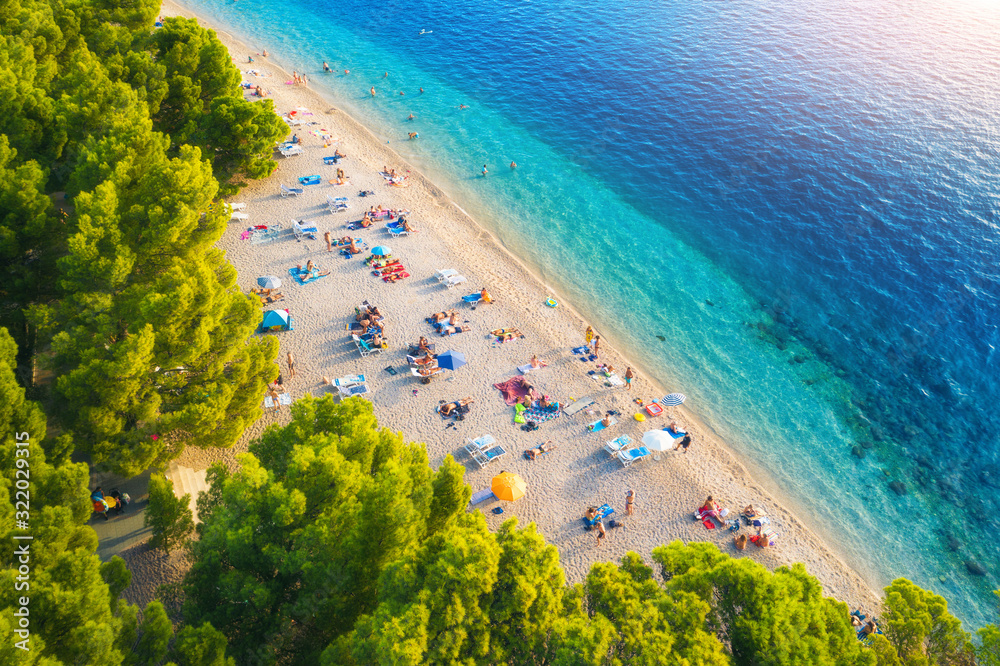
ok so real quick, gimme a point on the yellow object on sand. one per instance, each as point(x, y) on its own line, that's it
point(640, 417)
point(507, 486)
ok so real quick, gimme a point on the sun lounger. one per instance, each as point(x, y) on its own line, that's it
point(396, 232)
point(598, 426)
point(304, 230)
point(331, 159)
point(472, 299)
point(349, 380)
point(617, 444)
point(290, 151)
point(480, 496)
point(577, 407)
point(238, 216)
point(453, 280)
point(336, 204)
point(630, 456)
point(291, 191)
point(350, 391)
point(484, 458)
point(237, 206)
point(444, 274)
point(310, 180)
point(363, 348)
point(474, 446)
point(292, 121)
point(426, 378)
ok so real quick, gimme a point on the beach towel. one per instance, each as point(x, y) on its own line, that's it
point(524, 369)
point(581, 350)
point(512, 390)
point(480, 496)
point(540, 415)
point(675, 434)
point(304, 278)
point(598, 426)
point(578, 406)
point(505, 334)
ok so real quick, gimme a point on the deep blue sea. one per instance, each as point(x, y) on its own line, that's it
point(789, 211)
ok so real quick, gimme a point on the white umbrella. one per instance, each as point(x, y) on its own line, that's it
point(658, 440)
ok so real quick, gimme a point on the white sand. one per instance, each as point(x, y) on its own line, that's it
point(560, 484)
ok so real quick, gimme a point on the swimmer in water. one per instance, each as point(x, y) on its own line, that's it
point(414, 135)
point(462, 106)
point(410, 117)
point(264, 53)
point(421, 90)
point(346, 72)
point(485, 171)
point(401, 92)
point(386, 75)
point(326, 67)
point(513, 165)
point(373, 91)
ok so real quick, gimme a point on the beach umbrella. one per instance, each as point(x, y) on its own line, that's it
point(507, 486)
point(451, 360)
point(269, 282)
point(658, 440)
point(673, 400)
point(381, 251)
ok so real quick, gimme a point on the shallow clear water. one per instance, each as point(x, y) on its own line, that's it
point(800, 198)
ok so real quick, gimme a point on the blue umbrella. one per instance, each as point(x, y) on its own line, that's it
point(269, 282)
point(451, 360)
point(673, 400)
point(381, 251)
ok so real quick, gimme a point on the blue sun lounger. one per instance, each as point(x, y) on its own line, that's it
point(472, 299)
point(486, 457)
point(309, 180)
point(630, 456)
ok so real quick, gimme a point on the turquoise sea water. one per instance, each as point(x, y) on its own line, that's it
point(800, 198)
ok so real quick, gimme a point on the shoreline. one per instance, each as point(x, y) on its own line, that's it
point(678, 483)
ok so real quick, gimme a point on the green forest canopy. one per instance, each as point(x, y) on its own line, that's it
point(335, 543)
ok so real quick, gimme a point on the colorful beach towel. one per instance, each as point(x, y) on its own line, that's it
point(302, 277)
point(540, 415)
point(512, 390)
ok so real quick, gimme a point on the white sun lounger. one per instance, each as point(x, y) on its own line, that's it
point(239, 216)
point(628, 457)
point(349, 380)
point(444, 274)
point(291, 191)
point(453, 280)
point(474, 446)
point(617, 444)
point(291, 151)
point(237, 206)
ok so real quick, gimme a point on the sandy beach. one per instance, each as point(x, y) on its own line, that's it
point(561, 484)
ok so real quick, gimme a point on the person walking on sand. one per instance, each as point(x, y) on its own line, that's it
point(685, 443)
point(588, 335)
point(329, 246)
point(630, 502)
point(597, 346)
point(600, 532)
point(291, 365)
point(629, 375)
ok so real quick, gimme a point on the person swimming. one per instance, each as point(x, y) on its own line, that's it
point(326, 67)
point(410, 117)
point(513, 165)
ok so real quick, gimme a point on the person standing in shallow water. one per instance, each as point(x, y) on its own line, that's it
point(485, 170)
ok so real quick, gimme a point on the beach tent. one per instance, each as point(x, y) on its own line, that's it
point(276, 320)
point(507, 486)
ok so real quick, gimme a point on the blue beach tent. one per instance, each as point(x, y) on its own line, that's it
point(276, 320)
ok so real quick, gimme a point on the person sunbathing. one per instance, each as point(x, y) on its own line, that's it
point(712, 508)
point(422, 345)
point(673, 429)
point(428, 371)
point(751, 512)
point(310, 266)
point(763, 539)
point(406, 225)
point(337, 154)
point(545, 447)
point(453, 319)
point(365, 222)
point(441, 316)
point(446, 410)
point(544, 403)
point(271, 298)
point(740, 541)
point(526, 401)
point(537, 362)
point(485, 295)
point(375, 341)
point(347, 243)
point(373, 311)
point(453, 330)
point(606, 421)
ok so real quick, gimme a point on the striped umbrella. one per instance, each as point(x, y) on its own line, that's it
point(673, 400)
point(269, 282)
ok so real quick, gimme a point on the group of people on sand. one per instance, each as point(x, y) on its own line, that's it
point(300, 80)
point(369, 318)
point(348, 243)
